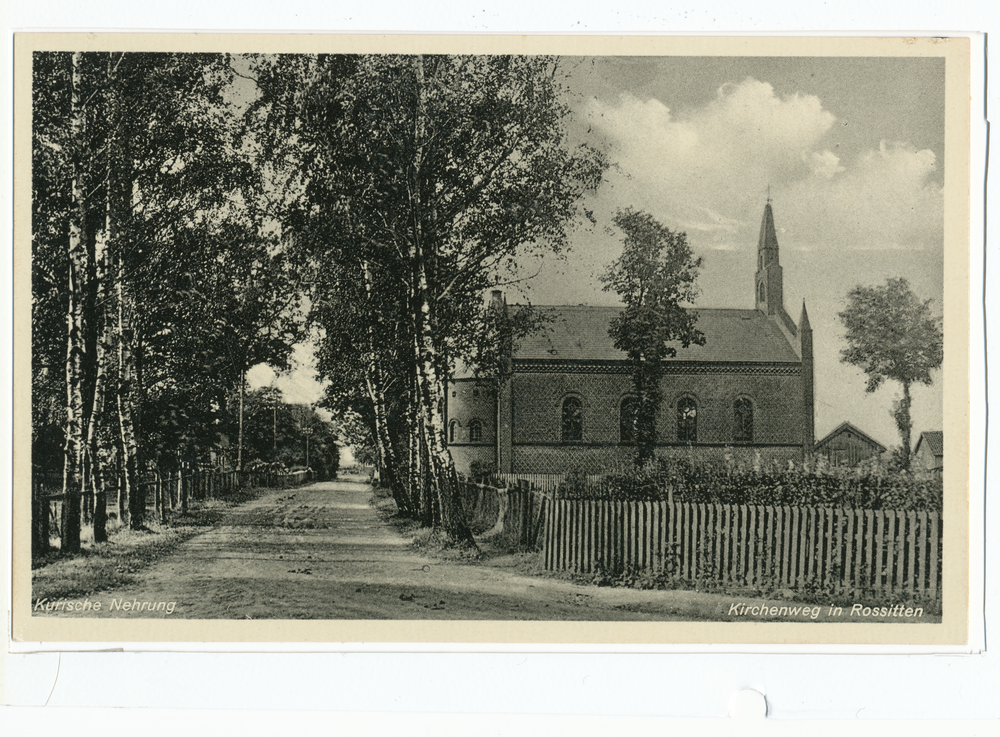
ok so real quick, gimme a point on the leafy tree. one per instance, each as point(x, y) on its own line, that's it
point(290, 434)
point(153, 262)
point(654, 276)
point(424, 179)
point(362, 355)
point(892, 334)
point(170, 169)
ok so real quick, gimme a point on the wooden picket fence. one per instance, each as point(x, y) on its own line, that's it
point(835, 550)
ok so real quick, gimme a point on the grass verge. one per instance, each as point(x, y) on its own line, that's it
point(429, 541)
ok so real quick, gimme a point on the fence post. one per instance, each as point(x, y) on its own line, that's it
point(525, 518)
point(181, 496)
point(39, 518)
point(162, 496)
point(157, 502)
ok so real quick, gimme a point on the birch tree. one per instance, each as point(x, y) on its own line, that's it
point(440, 171)
point(130, 153)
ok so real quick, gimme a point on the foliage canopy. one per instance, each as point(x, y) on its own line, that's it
point(655, 277)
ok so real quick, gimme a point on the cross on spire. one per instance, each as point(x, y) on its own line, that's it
point(769, 193)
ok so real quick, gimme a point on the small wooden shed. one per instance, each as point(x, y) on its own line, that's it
point(929, 453)
point(848, 446)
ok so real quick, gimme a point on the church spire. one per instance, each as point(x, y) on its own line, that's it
point(768, 281)
point(804, 319)
point(767, 244)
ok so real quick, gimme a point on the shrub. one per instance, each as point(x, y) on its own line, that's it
point(481, 471)
point(767, 485)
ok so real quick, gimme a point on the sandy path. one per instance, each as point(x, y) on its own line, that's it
point(322, 552)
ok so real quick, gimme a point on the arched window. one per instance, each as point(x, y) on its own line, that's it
point(687, 420)
point(743, 419)
point(626, 420)
point(452, 431)
point(475, 431)
point(572, 419)
point(760, 292)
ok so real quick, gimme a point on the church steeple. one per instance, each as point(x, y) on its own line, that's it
point(768, 282)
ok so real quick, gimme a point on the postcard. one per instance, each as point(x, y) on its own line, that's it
point(485, 339)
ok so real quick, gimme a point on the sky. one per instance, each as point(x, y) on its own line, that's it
point(851, 152)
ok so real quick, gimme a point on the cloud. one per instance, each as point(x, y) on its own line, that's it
point(706, 171)
point(299, 385)
point(825, 164)
point(886, 200)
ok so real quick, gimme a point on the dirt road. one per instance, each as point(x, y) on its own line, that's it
point(323, 552)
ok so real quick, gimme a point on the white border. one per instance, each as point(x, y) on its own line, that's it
point(542, 682)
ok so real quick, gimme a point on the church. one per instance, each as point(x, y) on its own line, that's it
point(569, 400)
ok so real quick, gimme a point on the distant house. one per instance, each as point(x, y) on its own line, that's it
point(929, 453)
point(848, 446)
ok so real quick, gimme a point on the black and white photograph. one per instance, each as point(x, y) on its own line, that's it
point(446, 343)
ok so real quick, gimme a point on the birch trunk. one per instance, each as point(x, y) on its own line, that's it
point(131, 506)
point(73, 449)
point(96, 471)
point(102, 334)
point(430, 388)
point(128, 387)
point(430, 398)
point(375, 383)
point(420, 493)
point(386, 455)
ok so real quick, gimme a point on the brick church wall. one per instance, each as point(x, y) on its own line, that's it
point(465, 455)
point(779, 420)
point(777, 401)
point(778, 415)
point(469, 400)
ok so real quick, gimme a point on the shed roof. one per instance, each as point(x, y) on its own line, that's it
point(934, 440)
point(576, 333)
point(847, 427)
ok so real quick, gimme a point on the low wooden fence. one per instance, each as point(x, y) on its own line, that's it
point(275, 480)
point(834, 550)
point(510, 516)
point(163, 493)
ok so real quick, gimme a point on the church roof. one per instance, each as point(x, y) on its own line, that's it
point(579, 333)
